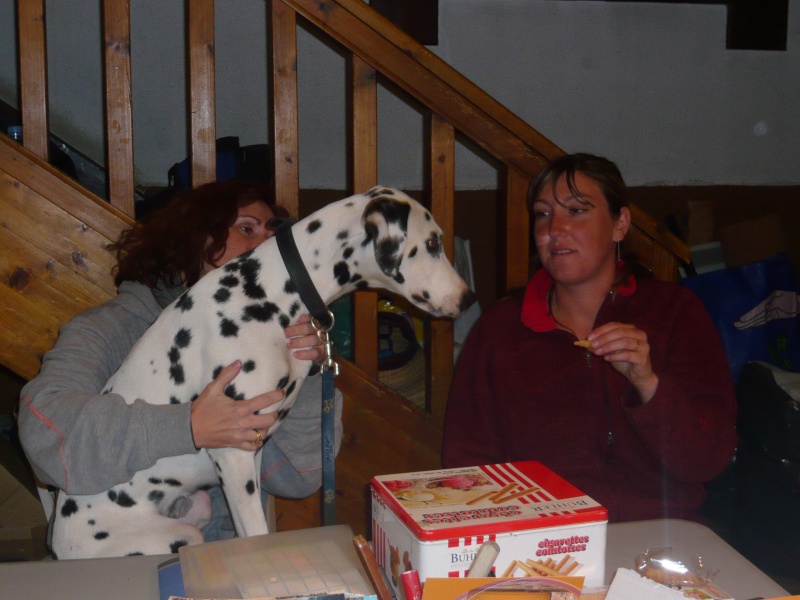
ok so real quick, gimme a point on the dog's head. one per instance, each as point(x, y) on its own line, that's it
point(408, 250)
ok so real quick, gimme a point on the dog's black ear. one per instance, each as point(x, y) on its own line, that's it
point(386, 223)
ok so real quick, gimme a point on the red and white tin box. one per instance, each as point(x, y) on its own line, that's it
point(435, 521)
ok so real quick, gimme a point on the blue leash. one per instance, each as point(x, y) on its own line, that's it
point(328, 448)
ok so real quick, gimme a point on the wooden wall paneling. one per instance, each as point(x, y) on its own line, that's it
point(517, 231)
point(364, 150)
point(439, 338)
point(119, 117)
point(78, 248)
point(32, 42)
point(284, 137)
point(60, 190)
point(50, 273)
point(202, 93)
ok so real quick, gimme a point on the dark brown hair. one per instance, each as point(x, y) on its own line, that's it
point(173, 243)
point(601, 170)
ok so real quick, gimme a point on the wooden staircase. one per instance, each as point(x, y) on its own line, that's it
point(54, 232)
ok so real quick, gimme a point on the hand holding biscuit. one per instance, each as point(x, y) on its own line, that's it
point(625, 346)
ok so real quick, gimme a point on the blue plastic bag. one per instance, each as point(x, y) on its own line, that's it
point(755, 309)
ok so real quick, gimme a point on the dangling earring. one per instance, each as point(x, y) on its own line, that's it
point(619, 251)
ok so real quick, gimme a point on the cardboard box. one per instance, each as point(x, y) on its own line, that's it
point(435, 521)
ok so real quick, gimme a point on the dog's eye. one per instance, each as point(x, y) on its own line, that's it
point(433, 245)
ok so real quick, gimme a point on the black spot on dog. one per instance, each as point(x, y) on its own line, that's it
point(121, 499)
point(185, 302)
point(362, 285)
point(231, 392)
point(216, 372)
point(174, 400)
point(393, 211)
point(289, 287)
point(248, 366)
point(343, 235)
point(228, 328)
point(341, 273)
point(291, 387)
point(398, 277)
point(229, 281)
point(282, 414)
point(174, 355)
point(91, 522)
point(155, 481)
point(348, 252)
point(387, 255)
point(285, 321)
point(176, 545)
point(173, 482)
point(413, 252)
point(355, 278)
point(101, 535)
point(254, 291)
point(193, 398)
point(371, 231)
point(222, 295)
point(263, 312)
point(70, 508)
point(421, 299)
point(250, 270)
point(155, 496)
point(294, 308)
point(282, 383)
point(135, 554)
point(250, 487)
point(183, 338)
point(313, 226)
point(177, 375)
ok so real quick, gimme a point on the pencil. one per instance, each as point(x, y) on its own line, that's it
point(372, 568)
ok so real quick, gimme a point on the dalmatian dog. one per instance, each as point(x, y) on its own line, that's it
point(380, 239)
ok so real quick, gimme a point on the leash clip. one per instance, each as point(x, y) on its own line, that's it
point(328, 364)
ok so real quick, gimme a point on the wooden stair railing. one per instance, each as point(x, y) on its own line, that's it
point(63, 273)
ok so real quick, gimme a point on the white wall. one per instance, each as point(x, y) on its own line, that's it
point(649, 85)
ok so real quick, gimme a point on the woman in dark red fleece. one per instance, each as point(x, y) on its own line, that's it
point(641, 418)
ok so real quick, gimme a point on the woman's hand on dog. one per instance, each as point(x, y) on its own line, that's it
point(219, 421)
point(304, 341)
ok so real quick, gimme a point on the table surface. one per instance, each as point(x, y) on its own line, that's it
point(135, 577)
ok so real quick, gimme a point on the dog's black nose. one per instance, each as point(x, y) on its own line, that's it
point(467, 299)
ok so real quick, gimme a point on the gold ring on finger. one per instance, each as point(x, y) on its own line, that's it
point(637, 343)
point(257, 441)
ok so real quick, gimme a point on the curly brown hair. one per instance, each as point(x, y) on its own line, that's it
point(171, 245)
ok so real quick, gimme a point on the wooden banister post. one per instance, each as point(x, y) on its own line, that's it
point(119, 118)
point(364, 151)
point(439, 352)
point(282, 24)
point(202, 99)
point(33, 76)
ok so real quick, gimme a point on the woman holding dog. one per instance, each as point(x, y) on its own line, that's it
point(641, 412)
point(82, 441)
